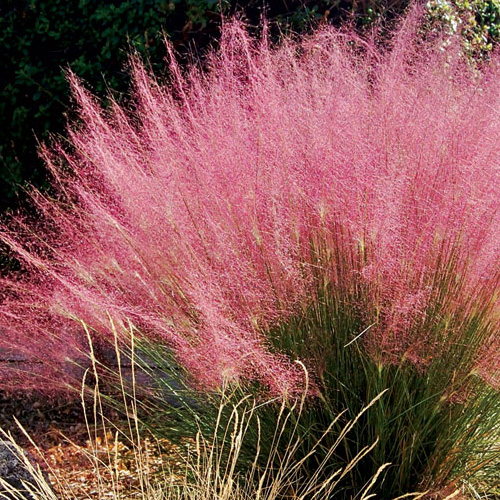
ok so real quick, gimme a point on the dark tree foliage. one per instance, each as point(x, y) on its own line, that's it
point(40, 39)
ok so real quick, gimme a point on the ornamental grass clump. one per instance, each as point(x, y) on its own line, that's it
point(328, 199)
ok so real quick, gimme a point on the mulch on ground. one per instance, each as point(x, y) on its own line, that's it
point(103, 464)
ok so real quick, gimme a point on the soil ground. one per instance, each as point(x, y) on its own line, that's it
point(80, 466)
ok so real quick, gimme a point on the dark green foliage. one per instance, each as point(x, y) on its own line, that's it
point(40, 39)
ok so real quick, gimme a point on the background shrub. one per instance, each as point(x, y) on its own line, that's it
point(40, 39)
point(478, 22)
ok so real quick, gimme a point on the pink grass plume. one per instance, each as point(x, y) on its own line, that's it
point(192, 212)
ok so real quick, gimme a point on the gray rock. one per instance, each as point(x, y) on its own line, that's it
point(13, 470)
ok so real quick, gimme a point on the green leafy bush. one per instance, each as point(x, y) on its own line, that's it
point(41, 39)
point(478, 21)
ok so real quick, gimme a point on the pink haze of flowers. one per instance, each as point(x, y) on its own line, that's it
point(191, 214)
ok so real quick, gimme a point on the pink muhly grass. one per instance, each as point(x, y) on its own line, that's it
point(210, 209)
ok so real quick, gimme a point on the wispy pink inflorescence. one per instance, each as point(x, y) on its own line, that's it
point(192, 214)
